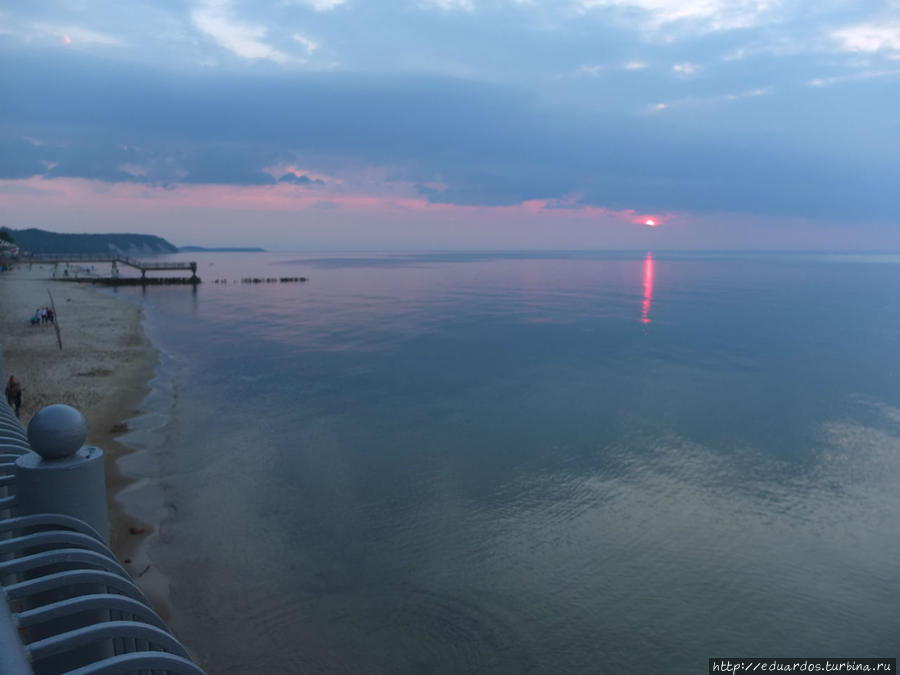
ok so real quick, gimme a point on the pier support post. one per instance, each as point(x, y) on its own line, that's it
point(62, 475)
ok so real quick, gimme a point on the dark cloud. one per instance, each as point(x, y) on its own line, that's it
point(489, 144)
point(390, 116)
point(96, 160)
point(20, 158)
point(224, 164)
point(155, 163)
point(300, 180)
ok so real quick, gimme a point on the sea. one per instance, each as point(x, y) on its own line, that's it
point(526, 462)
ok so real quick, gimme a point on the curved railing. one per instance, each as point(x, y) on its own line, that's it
point(70, 607)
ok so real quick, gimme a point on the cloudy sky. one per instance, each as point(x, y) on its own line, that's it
point(434, 124)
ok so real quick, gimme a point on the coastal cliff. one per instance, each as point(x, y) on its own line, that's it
point(42, 242)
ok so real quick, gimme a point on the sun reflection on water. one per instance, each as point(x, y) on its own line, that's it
point(648, 288)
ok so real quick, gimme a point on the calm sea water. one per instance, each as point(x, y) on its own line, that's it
point(513, 463)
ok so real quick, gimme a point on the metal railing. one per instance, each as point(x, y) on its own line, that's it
point(70, 607)
point(54, 258)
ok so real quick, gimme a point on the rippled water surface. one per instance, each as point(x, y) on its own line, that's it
point(509, 463)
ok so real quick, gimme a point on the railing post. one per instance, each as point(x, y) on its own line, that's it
point(62, 475)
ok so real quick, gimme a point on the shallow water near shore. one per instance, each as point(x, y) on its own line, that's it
point(526, 463)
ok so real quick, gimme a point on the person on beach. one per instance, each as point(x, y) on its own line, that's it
point(14, 394)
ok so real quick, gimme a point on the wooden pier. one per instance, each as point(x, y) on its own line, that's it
point(143, 265)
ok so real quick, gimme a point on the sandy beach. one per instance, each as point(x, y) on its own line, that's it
point(103, 370)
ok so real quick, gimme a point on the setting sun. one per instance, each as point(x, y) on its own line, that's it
point(650, 222)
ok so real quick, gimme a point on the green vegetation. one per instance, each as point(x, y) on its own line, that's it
point(41, 242)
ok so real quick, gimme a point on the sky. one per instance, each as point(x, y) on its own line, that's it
point(455, 124)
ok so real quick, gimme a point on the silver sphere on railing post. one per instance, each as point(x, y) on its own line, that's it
point(62, 475)
point(57, 431)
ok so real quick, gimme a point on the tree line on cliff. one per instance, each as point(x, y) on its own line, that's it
point(42, 242)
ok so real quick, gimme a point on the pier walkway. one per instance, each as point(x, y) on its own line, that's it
point(143, 265)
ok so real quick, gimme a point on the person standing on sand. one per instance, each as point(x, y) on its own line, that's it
point(14, 394)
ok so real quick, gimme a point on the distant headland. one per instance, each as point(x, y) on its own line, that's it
point(43, 242)
point(220, 249)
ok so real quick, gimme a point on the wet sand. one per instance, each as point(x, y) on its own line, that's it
point(103, 370)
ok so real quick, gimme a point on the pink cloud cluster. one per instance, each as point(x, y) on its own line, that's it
point(80, 193)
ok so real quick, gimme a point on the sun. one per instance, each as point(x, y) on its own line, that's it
point(650, 222)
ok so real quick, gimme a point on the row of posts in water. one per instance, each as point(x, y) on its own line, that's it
point(267, 280)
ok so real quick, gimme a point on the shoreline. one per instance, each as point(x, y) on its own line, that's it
point(105, 369)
